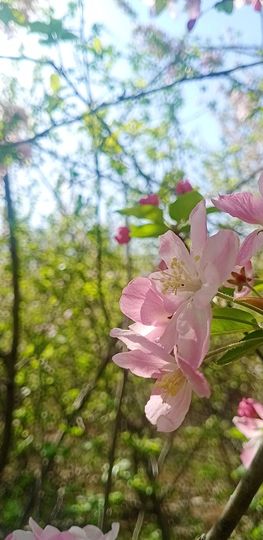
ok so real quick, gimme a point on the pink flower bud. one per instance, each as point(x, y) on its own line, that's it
point(152, 199)
point(246, 408)
point(183, 186)
point(123, 235)
point(191, 24)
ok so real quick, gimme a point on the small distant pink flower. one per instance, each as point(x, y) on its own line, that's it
point(193, 8)
point(152, 199)
point(90, 532)
point(257, 5)
point(183, 186)
point(249, 208)
point(123, 235)
point(250, 422)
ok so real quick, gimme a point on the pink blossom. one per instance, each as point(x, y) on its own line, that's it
point(195, 276)
point(152, 199)
point(249, 208)
point(90, 532)
point(177, 373)
point(123, 235)
point(172, 314)
point(183, 186)
point(250, 422)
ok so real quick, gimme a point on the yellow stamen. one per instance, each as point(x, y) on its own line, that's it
point(177, 277)
point(171, 383)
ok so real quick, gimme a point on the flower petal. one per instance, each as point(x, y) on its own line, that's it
point(198, 229)
point(244, 205)
point(248, 426)
point(195, 378)
point(37, 530)
point(112, 535)
point(135, 341)
point(258, 408)
point(251, 245)
point(142, 364)
point(168, 412)
point(218, 260)
point(19, 534)
point(171, 246)
point(193, 333)
point(249, 451)
point(260, 184)
point(139, 295)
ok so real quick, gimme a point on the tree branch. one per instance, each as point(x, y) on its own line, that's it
point(11, 357)
point(126, 98)
point(239, 500)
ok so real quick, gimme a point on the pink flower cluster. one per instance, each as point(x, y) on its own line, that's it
point(171, 308)
point(90, 532)
point(250, 422)
point(172, 314)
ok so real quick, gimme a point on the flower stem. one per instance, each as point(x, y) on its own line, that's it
point(239, 302)
point(214, 352)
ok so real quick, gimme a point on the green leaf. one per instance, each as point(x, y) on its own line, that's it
point(9, 14)
point(144, 211)
point(55, 83)
point(184, 204)
point(147, 231)
point(159, 6)
point(230, 320)
point(246, 346)
point(226, 6)
point(39, 27)
point(212, 210)
point(53, 30)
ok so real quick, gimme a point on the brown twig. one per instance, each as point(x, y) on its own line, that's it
point(11, 357)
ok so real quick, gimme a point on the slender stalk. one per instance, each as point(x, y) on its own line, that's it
point(239, 302)
point(113, 449)
point(239, 501)
point(254, 290)
point(138, 526)
point(11, 358)
point(214, 352)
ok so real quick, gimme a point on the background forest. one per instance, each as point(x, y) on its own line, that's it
point(103, 103)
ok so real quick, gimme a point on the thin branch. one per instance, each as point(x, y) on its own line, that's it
point(239, 500)
point(47, 62)
point(165, 87)
point(113, 448)
point(131, 97)
point(11, 358)
point(100, 239)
